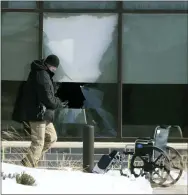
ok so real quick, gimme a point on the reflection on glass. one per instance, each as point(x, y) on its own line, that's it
point(80, 4)
point(19, 44)
point(82, 43)
point(71, 115)
point(155, 48)
point(89, 105)
point(93, 100)
point(86, 46)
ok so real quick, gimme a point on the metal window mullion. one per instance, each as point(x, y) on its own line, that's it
point(119, 71)
point(20, 10)
point(144, 11)
point(40, 5)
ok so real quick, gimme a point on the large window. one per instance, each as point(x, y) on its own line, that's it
point(86, 45)
point(19, 46)
point(155, 71)
point(123, 64)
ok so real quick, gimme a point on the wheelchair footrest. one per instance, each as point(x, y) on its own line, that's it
point(104, 163)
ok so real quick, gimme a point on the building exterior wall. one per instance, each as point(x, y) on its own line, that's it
point(66, 157)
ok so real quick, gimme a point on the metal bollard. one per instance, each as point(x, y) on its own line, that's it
point(88, 148)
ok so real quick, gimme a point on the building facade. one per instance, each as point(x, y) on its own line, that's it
point(124, 64)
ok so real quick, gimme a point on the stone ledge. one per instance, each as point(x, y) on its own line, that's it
point(25, 144)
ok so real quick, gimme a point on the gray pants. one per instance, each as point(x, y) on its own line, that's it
point(43, 135)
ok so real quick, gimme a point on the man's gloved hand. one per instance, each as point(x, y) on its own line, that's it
point(64, 104)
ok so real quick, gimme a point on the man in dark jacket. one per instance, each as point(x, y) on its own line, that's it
point(36, 106)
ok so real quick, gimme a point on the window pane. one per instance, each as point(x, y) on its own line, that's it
point(171, 5)
point(19, 44)
point(19, 39)
point(18, 4)
point(155, 73)
point(155, 48)
point(146, 106)
point(86, 46)
point(80, 4)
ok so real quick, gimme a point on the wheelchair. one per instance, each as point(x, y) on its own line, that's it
point(152, 158)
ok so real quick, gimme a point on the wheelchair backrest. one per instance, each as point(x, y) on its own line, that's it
point(161, 137)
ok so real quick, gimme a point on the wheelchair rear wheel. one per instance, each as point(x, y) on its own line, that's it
point(156, 166)
point(176, 164)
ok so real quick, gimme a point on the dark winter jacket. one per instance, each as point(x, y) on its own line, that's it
point(36, 99)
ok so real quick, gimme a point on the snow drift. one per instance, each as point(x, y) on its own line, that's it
point(73, 182)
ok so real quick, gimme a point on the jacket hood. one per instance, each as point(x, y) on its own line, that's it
point(38, 65)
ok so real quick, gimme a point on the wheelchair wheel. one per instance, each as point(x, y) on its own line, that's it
point(156, 166)
point(176, 164)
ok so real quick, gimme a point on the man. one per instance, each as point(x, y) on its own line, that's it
point(35, 106)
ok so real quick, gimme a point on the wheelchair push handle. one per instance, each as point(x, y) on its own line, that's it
point(178, 128)
point(168, 127)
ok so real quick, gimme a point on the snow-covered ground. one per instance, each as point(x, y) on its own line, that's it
point(73, 182)
point(77, 182)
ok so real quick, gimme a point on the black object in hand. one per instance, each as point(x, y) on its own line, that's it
point(64, 104)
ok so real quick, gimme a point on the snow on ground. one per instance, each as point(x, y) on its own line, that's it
point(73, 182)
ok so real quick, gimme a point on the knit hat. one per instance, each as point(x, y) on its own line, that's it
point(52, 60)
